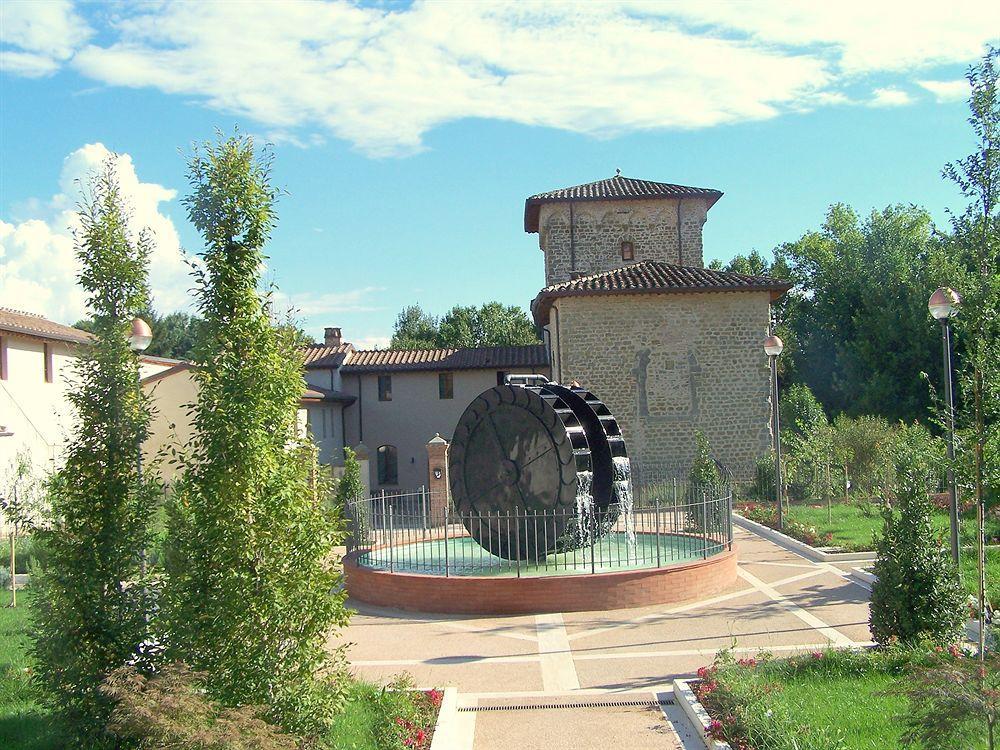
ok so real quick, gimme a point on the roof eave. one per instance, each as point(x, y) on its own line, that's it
point(542, 304)
point(83, 338)
point(532, 206)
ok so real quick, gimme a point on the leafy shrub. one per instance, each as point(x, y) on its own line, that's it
point(705, 481)
point(917, 594)
point(172, 711)
point(5, 577)
point(800, 409)
point(403, 718)
point(953, 698)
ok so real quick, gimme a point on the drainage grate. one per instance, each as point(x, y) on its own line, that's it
point(580, 704)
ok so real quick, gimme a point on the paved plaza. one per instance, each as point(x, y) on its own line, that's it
point(515, 674)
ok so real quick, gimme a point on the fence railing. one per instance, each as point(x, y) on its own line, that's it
point(420, 533)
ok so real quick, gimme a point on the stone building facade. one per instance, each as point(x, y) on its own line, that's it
point(671, 347)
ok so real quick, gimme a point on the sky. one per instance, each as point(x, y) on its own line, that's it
point(406, 136)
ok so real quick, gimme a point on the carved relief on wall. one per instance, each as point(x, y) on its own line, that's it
point(667, 385)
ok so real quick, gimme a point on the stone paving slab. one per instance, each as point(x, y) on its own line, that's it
point(631, 728)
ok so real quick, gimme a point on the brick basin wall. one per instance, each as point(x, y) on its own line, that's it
point(538, 594)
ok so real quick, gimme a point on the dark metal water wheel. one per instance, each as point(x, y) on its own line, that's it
point(515, 452)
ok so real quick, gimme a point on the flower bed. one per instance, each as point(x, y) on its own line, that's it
point(826, 699)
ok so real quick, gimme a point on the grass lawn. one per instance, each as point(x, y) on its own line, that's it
point(24, 723)
point(840, 699)
point(367, 722)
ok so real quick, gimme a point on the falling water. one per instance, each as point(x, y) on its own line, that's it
point(622, 495)
point(584, 504)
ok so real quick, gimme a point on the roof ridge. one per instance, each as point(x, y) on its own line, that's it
point(4, 308)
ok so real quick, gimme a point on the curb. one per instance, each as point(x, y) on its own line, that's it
point(695, 712)
point(794, 545)
point(446, 733)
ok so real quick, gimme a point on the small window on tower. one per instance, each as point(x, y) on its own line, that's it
point(385, 387)
point(628, 250)
point(446, 385)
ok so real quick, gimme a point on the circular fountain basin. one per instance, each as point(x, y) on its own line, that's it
point(646, 570)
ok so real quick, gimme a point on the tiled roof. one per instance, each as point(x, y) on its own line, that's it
point(481, 358)
point(322, 355)
point(315, 393)
point(654, 277)
point(613, 188)
point(29, 324)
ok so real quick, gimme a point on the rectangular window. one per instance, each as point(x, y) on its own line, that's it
point(446, 385)
point(3, 358)
point(388, 466)
point(49, 364)
point(501, 377)
point(628, 250)
point(385, 387)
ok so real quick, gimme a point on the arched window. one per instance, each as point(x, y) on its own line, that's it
point(388, 469)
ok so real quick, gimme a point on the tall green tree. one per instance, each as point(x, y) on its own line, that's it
point(977, 245)
point(414, 329)
point(252, 592)
point(92, 603)
point(858, 315)
point(464, 326)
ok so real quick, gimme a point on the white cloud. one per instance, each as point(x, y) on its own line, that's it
point(367, 342)
point(889, 96)
point(947, 91)
point(311, 304)
point(381, 77)
point(37, 264)
point(43, 33)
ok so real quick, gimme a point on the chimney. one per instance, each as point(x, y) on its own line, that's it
point(331, 336)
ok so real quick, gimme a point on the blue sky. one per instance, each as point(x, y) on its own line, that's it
point(408, 136)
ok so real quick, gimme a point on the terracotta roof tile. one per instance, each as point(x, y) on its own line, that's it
point(485, 358)
point(322, 355)
point(654, 277)
point(29, 324)
point(613, 188)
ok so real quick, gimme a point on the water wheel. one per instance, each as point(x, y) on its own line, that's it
point(539, 449)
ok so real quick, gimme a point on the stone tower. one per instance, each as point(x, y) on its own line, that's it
point(630, 311)
point(612, 223)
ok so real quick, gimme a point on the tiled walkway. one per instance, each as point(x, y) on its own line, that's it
point(782, 603)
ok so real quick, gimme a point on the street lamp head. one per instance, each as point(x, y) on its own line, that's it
point(944, 303)
point(141, 336)
point(773, 346)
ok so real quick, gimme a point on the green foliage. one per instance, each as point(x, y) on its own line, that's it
point(859, 331)
point(491, 324)
point(800, 410)
point(91, 600)
point(350, 487)
point(170, 711)
point(174, 334)
point(252, 591)
point(917, 595)
point(952, 699)
point(704, 470)
point(415, 329)
point(391, 717)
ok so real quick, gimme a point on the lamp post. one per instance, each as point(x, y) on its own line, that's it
point(943, 305)
point(772, 348)
point(139, 339)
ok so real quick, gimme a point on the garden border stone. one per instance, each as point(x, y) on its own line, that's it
point(446, 735)
point(696, 714)
point(794, 545)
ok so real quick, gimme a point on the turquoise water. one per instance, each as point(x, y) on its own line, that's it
point(614, 552)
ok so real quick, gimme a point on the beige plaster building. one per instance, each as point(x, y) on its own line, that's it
point(631, 313)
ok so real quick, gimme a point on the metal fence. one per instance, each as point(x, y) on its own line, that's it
point(420, 533)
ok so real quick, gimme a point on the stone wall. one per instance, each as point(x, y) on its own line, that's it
point(670, 364)
point(599, 227)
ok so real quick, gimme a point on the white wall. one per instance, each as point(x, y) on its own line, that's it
point(38, 413)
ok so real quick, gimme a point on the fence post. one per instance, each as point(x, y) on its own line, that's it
point(517, 535)
point(657, 510)
point(446, 512)
point(390, 541)
point(704, 524)
point(729, 516)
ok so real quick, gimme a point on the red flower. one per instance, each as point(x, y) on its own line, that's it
point(420, 736)
point(817, 654)
point(954, 651)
